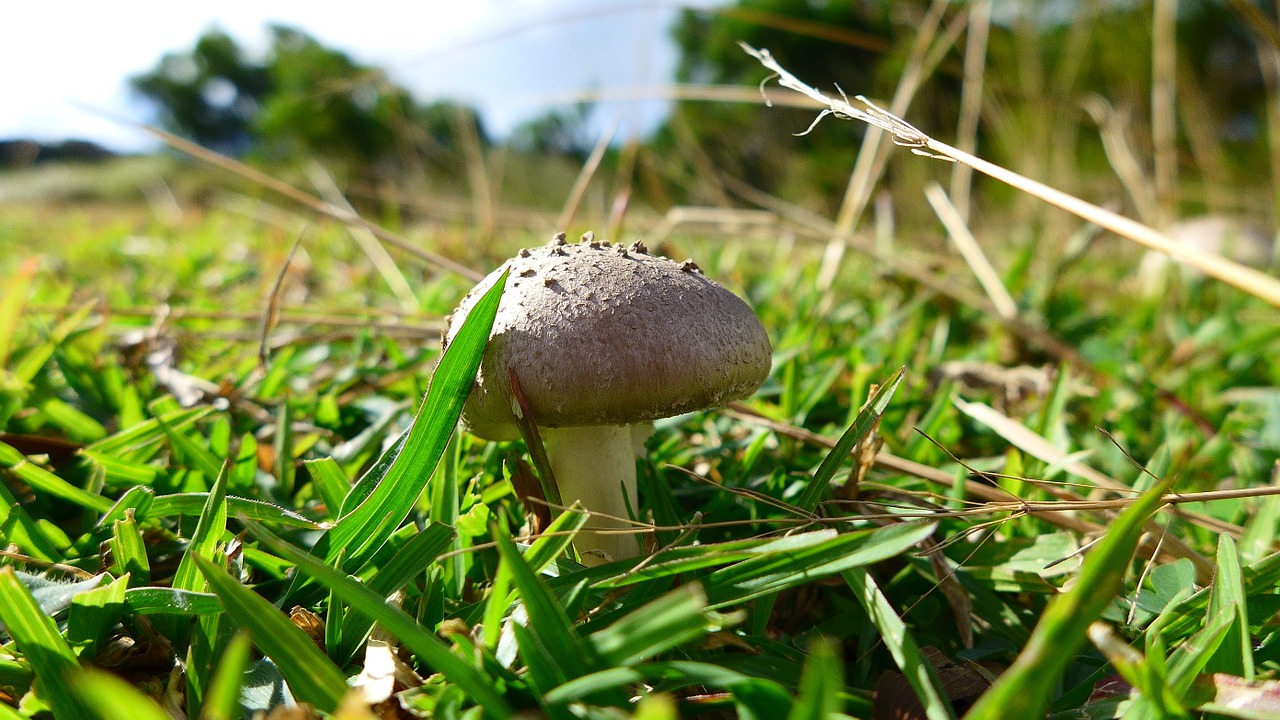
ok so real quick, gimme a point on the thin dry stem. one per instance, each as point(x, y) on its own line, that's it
point(368, 242)
point(1244, 278)
point(583, 180)
point(1164, 109)
point(975, 61)
point(971, 251)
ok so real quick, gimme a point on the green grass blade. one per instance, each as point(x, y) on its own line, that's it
point(204, 541)
point(129, 552)
point(803, 559)
point(550, 545)
point(671, 620)
point(167, 601)
point(1227, 598)
point(311, 676)
point(330, 482)
point(861, 427)
point(194, 503)
point(821, 685)
point(18, 527)
point(46, 482)
point(93, 614)
point(407, 563)
point(548, 621)
point(906, 653)
point(197, 457)
point(108, 697)
point(363, 531)
point(37, 636)
point(222, 696)
point(419, 640)
point(149, 433)
point(1024, 689)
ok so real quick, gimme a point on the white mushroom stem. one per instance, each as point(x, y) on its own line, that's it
point(596, 466)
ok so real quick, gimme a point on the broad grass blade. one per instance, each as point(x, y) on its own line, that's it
point(795, 564)
point(906, 654)
point(418, 639)
point(1024, 690)
point(42, 645)
point(861, 427)
point(360, 533)
point(1227, 598)
point(311, 676)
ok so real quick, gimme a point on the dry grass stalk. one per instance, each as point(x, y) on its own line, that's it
point(975, 61)
point(580, 184)
point(313, 203)
point(971, 251)
point(1247, 279)
point(1164, 116)
point(927, 51)
point(368, 242)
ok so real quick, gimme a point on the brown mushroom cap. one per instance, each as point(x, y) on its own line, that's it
point(606, 335)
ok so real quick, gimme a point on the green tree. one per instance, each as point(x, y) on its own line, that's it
point(302, 100)
point(210, 95)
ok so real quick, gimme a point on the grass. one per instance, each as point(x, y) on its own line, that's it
point(1035, 494)
point(790, 562)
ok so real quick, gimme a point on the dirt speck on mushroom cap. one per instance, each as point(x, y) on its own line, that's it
point(599, 337)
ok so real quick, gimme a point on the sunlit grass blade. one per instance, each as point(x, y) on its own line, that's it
point(669, 621)
point(45, 481)
point(108, 697)
point(93, 614)
point(548, 621)
point(148, 433)
point(898, 641)
point(1227, 597)
point(360, 533)
point(19, 528)
point(199, 458)
point(204, 541)
point(1024, 689)
point(330, 482)
point(37, 636)
point(164, 601)
point(311, 676)
point(551, 544)
point(129, 552)
point(864, 424)
point(193, 504)
point(408, 562)
point(416, 638)
point(823, 554)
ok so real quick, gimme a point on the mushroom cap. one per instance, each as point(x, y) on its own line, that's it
point(606, 335)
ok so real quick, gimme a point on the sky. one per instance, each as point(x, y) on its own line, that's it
point(512, 59)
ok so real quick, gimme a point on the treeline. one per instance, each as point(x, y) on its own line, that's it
point(1048, 68)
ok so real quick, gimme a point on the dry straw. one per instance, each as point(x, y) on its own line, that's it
point(904, 134)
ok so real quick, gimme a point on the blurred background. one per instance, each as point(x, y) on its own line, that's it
point(487, 113)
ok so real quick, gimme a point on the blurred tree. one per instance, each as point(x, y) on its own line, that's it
point(324, 104)
point(210, 95)
point(823, 41)
point(561, 132)
point(304, 100)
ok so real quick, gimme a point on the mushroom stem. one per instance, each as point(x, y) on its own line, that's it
point(596, 466)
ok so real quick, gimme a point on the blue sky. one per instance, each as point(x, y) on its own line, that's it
point(513, 59)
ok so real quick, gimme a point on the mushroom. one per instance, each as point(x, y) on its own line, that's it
point(603, 340)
